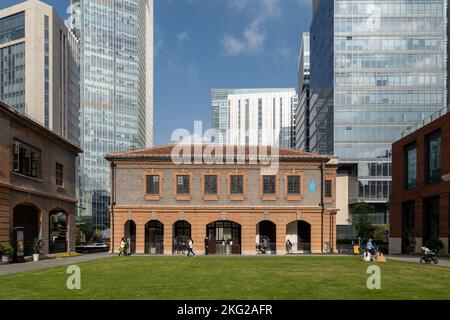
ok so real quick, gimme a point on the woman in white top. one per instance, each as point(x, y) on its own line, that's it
point(123, 243)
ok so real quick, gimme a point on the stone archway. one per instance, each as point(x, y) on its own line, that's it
point(26, 216)
point(266, 237)
point(181, 231)
point(224, 238)
point(57, 231)
point(298, 237)
point(130, 234)
point(154, 237)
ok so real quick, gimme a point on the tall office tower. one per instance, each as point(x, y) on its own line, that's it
point(36, 67)
point(302, 111)
point(254, 116)
point(116, 57)
point(377, 67)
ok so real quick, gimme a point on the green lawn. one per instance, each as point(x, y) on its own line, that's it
point(298, 277)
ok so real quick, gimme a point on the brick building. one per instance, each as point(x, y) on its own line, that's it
point(226, 205)
point(37, 183)
point(421, 189)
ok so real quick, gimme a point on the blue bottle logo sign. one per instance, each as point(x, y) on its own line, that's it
point(312, 186)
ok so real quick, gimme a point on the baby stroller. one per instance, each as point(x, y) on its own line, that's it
point(428, 256)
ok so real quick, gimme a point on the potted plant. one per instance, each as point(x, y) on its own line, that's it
point(6, 251)
point(37, 248)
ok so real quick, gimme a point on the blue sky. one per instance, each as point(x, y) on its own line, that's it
point(204, 44)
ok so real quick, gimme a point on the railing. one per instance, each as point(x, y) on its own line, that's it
point(154, 248)
point(224, 249)
point(179, 248)
point(58, 247)
point(345, 249)
point(266, 248)
point(303, 247)
point(425, 121)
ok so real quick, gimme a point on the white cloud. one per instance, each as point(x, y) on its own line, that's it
point(183, 36)
point(253, 36)
point(232, 45)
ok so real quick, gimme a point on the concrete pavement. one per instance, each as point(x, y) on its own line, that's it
point(48, 263)
point(443, 262)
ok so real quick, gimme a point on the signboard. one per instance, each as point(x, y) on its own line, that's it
point(19, 241)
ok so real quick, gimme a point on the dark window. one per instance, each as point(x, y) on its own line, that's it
point(411, 166)
point(293, 185)
point(408, 227)
point(433, 157)
point(269, 185)
point(430, 219)
point(237, 184)
point(12, 27)
point(210, 184)
point(26, 160)
point(152, 184)
point(59, 174)
point(183, 184)
point(328, 188)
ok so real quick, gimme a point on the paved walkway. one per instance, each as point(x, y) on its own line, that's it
point(48, 263)
point(443, 262)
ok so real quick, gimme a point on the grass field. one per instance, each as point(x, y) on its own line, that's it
point(233, 278)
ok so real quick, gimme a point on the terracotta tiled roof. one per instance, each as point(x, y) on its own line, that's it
point(165, 152)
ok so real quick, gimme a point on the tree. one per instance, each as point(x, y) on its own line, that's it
point(85, 227)
point(362, 221)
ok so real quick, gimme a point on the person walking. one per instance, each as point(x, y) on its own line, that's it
point(206, 245)
point(190, 248)
point(370, 248)
point(122, 249)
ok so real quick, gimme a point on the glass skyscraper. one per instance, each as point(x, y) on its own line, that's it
point(116, 56)
point(302, 111)
point(377, 68)
point(38, 66)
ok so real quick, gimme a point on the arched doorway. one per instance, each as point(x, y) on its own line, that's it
point(181, 236)
point(57, 233)
point(224, 238)
point(27, 217)
point(154, 237)
point(130, 234)
point(298, 234)
point(266, 237)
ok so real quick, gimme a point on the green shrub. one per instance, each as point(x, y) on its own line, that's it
point(6, 250)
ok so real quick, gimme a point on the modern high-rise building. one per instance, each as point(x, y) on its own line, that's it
point(116, 58)
point(38, 70)
point(254, 116)
point(377, 68)
point(302, 111)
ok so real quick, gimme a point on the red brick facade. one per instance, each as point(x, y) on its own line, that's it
point(418, 196)
point(281, 210)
